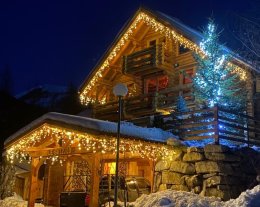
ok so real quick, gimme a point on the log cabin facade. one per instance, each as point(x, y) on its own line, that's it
point(153, 56)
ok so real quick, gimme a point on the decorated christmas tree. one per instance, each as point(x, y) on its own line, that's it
point(214, 81)
point(181, 104)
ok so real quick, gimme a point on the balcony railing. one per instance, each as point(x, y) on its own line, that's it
point(215, 123)
point(148, 60)
point(146, 104)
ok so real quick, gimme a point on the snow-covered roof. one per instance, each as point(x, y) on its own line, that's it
point(84, 123)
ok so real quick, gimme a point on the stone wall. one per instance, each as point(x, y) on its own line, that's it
point(214, 170)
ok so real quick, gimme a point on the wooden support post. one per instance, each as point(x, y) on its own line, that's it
point(95, 178)
point(152, 166)
point(33, 182)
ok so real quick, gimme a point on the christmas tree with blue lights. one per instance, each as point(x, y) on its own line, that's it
point(214, 82)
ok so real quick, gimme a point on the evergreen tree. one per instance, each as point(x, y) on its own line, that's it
point(181, 104)
point(214, 82)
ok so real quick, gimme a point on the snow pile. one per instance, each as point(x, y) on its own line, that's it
point(171, 198)
point(249, 198)
point(16, 201)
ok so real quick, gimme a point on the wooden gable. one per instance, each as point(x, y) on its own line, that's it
point(133, 48)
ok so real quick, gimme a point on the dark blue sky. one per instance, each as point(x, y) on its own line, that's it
point(58, 42)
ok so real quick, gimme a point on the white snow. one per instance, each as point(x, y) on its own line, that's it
point(16, 201)
point(127, 128)
point(171, 198)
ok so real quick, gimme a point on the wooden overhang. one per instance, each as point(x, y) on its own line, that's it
point(80, 126)
point(49, 129)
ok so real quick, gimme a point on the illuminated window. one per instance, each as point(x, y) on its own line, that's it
point(187, 76)
point(156, 83)
point(110, 168)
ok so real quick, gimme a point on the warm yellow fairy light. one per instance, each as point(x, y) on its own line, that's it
point(157, 26)
point(104, 144)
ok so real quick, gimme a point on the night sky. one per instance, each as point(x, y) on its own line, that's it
point(58, 42)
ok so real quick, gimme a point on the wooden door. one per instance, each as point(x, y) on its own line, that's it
point(54, 184)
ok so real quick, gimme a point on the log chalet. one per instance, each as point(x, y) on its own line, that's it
point(153, 56)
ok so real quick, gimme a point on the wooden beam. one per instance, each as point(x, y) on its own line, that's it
point(64, 151)
point(152, 167)
point(143, 32)
point(33, 182)
point(95, 179)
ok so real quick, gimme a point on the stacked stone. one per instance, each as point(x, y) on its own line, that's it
point(214, 170)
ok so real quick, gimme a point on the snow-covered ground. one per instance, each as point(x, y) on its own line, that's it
point(171, 198)
point(15, 201)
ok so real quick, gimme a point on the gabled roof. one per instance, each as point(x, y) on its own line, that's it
point(171, 26)
point(85, 124)
point(169, 21)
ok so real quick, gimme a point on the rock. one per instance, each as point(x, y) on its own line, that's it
point(157, 180)
point(162, 165)
point(180, 187)
point(177, 156)
point(211, 167)
point(196, 190)
point(174, 142)
point(223, 187)
point(216, 148)
point(164, 201)
point(209, 175)
point(182, 167)
point(220, 180)
point(163, 187)
point(215, 156)
point(195, 149)
point(165, 177)
point(223, 194)
point(172, 178)
point(193, 181)
point(193, 157)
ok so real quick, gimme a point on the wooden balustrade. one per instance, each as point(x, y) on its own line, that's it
point(215, 123)
point(145, 104)
point(146, 61)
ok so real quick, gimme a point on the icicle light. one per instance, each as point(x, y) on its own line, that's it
point(158, 27)
point(88, 142)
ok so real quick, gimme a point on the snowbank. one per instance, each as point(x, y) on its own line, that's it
point(16, 201)
point(171, 198)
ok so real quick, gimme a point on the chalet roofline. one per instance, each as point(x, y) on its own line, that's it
point(109, 49)
point(84, 124)
point(173, 23)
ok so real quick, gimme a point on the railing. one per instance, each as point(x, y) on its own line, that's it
point(146, 59)
point(145, 104)
point(138, 105)
point(215, 123)
point(168, 97)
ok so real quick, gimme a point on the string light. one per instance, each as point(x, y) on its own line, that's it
point(158, 27)
point(91, 143)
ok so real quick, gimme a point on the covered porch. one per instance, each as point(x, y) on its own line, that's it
point(65, 153)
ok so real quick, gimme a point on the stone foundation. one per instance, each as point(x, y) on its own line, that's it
point(214, 170)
